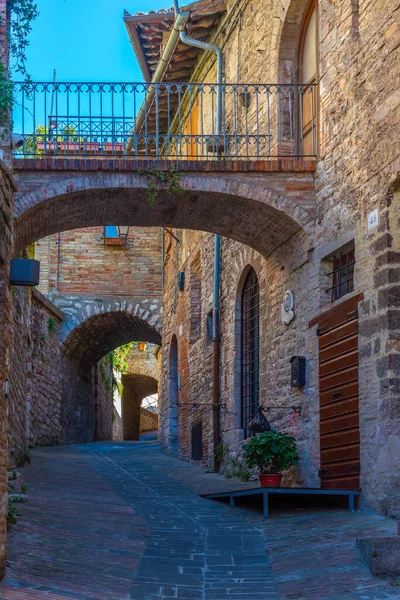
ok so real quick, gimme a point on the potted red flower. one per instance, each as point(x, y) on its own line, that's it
point(271, 453)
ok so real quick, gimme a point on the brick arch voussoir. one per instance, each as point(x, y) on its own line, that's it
point(213, 202)
point(77, 309)
point(100, 333)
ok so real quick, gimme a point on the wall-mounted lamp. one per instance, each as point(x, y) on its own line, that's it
point(123, 231)
point(142, 346)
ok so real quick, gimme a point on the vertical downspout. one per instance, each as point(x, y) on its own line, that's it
point(217, 253)
point(216, 353)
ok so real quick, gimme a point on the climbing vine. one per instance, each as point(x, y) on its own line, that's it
point(22, 14)
point(169, 180)
point(105, 378)
point(119, 358)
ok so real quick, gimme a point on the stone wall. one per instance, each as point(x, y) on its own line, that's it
point(52, 398)
point(44, 389)
point(35, 374)
point(7, 189)
point(148, 420)
point(357, 172)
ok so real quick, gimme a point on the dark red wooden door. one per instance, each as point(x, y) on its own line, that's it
point(338, 380)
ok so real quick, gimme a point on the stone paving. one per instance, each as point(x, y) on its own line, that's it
point(123, 521)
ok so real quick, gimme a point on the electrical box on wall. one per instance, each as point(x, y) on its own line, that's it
point(298, 371)
point(181, 281)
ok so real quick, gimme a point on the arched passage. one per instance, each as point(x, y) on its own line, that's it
point(136, 387)
point(102, 333)
point(260, 211)
point(87, 403)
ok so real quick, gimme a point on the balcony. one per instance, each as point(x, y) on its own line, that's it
point(169, 121)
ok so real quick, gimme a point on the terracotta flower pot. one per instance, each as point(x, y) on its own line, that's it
point(271, 480)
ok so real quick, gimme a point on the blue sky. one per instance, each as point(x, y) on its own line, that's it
point(85, 40)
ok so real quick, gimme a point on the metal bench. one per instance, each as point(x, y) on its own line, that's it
point(266, 492)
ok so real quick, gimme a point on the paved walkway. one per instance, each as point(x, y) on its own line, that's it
point(123, 521)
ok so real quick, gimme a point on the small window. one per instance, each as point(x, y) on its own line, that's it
point(341, 275)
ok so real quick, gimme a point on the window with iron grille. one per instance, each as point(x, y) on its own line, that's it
point(342, 273)
point(250, 350)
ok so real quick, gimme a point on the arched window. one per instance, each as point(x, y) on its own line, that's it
point(173, 396)
point(250, 349)
point(308, 74)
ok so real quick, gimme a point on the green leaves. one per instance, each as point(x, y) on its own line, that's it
point(169, 180)
point(23, 13)
point(271, 452)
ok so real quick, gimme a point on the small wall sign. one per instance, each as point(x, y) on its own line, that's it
point(373, 219)
point(288, 307)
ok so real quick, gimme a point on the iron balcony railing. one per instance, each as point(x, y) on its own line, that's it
point(165, 120)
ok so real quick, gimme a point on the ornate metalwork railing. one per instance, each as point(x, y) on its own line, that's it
point(168, 121)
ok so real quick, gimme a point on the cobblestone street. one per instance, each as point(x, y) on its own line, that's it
point(123, 521)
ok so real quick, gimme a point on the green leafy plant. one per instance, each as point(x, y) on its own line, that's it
point(232, 466)
point(6, 97)
point(119, 357)
point(105, 378)
point(219, 452)
point(169, 180)
point(52, 325)
point(11, 516)
point(27, 457)
point(270, 452)
point(22, 13)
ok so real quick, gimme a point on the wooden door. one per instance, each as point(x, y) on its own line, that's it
point(338, 379)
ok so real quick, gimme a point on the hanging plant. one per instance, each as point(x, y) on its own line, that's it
point(156, 180)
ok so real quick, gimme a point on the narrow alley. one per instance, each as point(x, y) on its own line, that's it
point(124, 521)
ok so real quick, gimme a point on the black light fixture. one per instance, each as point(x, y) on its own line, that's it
point(24, 272)
point(123, 231)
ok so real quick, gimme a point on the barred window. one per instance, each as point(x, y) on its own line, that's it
point(342, 274)
point(250, 350)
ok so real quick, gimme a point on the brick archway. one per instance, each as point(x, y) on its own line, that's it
point(262, 210)
point(101, 333)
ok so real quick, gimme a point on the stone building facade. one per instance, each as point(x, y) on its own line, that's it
point(356, 181)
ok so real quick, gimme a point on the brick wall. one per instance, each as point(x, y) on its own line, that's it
point(78, 262)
